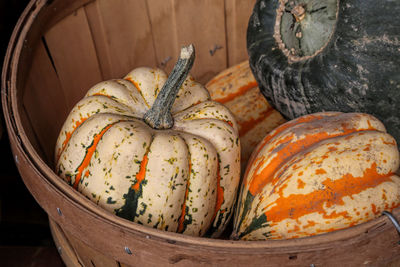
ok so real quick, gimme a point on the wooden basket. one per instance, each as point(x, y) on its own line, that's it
point(60, 48)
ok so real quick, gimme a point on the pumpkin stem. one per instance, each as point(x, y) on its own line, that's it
point(298, 12)
point(159, 116)
point(304, 28)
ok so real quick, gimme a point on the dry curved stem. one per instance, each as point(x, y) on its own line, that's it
point(159, 116)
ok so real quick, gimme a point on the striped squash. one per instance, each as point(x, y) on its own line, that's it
point(237, 89)
point(154, 150)
point(316, 174)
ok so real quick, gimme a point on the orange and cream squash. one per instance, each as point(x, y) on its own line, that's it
point(237, 89)
point(316, 174)
point(154, 150)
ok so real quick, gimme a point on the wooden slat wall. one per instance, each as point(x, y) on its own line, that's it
point(164, 30)
point(122, 33)
point(237, 17)
point(72, 49)
point(203, 24)
point(44, 101)
point(31, 133)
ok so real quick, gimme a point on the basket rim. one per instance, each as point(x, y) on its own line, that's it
point(47, 175)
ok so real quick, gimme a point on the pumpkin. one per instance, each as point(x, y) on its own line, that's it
point(237, 89)
point(329, 55)
point(154, 150)
point(316, 174)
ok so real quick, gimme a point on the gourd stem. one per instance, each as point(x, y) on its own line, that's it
point(159, 116)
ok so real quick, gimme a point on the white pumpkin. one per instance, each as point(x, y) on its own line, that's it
point(154, 150)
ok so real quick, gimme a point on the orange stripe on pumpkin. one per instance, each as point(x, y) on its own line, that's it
point(295, 206)
point(240, 91)
point(142, 172)
point(138, 88)
point(266, 174)
point(134, 83)
point(89, 154)
point(278, 130)
point(68, 136)
point(246, 126)
point(220, 194)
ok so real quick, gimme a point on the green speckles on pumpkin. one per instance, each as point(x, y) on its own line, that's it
point(187, 219)
point(256, 223)
point(110, 201)
point(143, 208)
point(232, 141)
point(227, 169)
point(246, 207)
point(128, 210)
point(172, 160)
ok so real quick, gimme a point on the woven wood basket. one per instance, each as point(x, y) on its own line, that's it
point(61, 48)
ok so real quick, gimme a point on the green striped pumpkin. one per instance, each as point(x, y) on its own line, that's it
point(154, 150)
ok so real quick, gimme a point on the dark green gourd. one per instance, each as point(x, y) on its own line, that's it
point(328, 55)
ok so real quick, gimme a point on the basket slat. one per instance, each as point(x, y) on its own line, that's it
point(163, 27)
point(74, 55)
point(63, 245)
point(42, 94)
point(87, 256)
point(122, 33)
point(237, 17)
point(204, 26)
point(30, 132)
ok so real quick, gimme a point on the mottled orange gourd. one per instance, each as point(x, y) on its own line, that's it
point(318, 173)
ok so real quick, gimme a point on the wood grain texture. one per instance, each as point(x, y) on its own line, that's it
point(65, 249)
point(122, 36)
point(203, 24)
point(164, 29)
point(237, 17)
point(43, 93)
point(73, 53)
point(30, 132)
